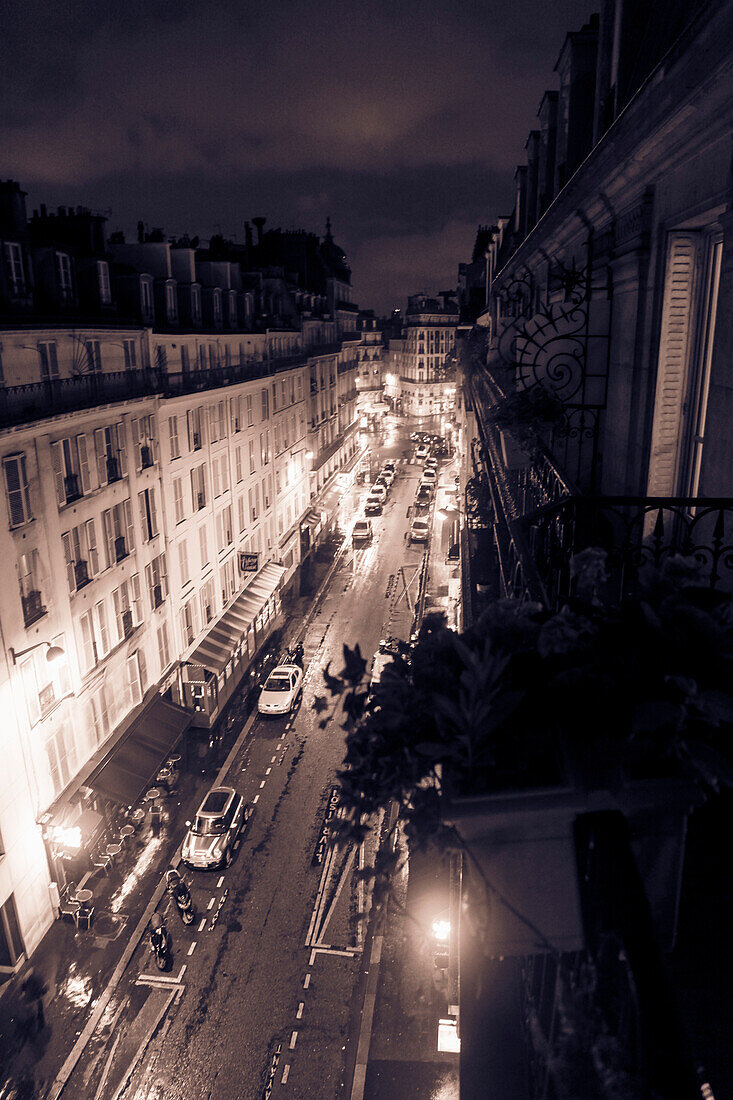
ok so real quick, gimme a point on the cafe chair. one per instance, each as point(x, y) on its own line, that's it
point(84, 916)
point(102, 861)
point(69, 907)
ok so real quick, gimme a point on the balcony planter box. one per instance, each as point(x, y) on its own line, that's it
point(524, 843)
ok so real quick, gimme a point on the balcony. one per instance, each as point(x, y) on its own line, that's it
point(81, 574)
point(33, 607)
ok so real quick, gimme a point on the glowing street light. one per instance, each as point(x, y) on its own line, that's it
point(54, 653)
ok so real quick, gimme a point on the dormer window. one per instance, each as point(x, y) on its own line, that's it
point(146, 297)
point(105, 290)
point(15, 270)
point(170, 301)
point(196, 303)
point(217, 305)
point(63, 274)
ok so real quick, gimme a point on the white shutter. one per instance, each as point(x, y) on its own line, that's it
point(69, 560)
point(672, 370)
point(122, 447)
point(150, 583)
point(163, 569)
point(153, 511)
point(18, 498)
point(57, 463)
point(92, 544)
point(100, 615)
point(136, 598)
point(100, 451)
point(109, 537)
point(143, 515)
point(81, 447)
point(133, 680)
point(130, 526)
point(89, 655)
point(135, 426)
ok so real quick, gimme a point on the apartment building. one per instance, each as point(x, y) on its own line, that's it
point(159, 463)
point(422, 360)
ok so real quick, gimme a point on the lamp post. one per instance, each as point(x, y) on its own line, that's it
point(55, 652)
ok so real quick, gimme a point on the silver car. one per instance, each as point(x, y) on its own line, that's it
point(211, 836)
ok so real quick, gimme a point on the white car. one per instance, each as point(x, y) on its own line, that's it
point(419, 530)
point(388, 475)
point(211, 836)
point(379, 490)
point(430, 475)
point(362, 531)
point(281, 690)
point(421, 453)
point(373, 505)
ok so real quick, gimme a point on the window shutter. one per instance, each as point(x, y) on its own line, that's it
point(122, 448)
point(81, 447)
point(92, 543)
point(153, 511)
point(672, 370)
point(136, 597)
point(69, 560)
point(89, 656)
point(130, 525)
point(143, 515)
point(163, 570)
point(143, 665)
point(133, 679)
point(135, 426)
point(17, 498)
point(109, 537)
point(100, 614)
point(150, 584)
point(100, 450)
point(58, 471)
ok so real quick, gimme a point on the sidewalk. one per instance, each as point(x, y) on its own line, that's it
point(74, 966)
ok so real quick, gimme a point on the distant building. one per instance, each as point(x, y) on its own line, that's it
point(421, 364)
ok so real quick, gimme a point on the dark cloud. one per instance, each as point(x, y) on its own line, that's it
point(402, 121)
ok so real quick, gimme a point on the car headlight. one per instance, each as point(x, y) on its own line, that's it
point(216, 852)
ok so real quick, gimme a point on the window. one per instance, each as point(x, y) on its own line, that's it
point(61, 754)
point(94, 356)
point(173, 437)
point(274, 397)
point(224, 531)
point(148, 513)
point(170, 301)
point(136, 676)
point(111, 453)
point(80, 555)
point(239, 472)
point(203, 546)
point(196, 302)
point(217, 305)
point(63, 275)
point(164, 652)
point(198, 487)
point(146, 297)
point(252, 464)
point(124, 620)
point(183, 566)
point(188, 622)
point(235, 411)
point(194, 423)
point(178, 506)
point(18, 493)
point(228, 580)
point(242, 513)
point(208, 601)
point(265, 404)
point(263, 449)
point(30, 587)
point(88, 654)
point(129, 349)
point(213, 424)
point(216, 479)
point(99, 714)
point(250, 414)
point(119, 533)
point(48, 360)
point(105, 290)
point(14, 268)
point(144, 442)
point(156, 577)
point(100, 628)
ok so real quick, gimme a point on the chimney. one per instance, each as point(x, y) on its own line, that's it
point(259, 222)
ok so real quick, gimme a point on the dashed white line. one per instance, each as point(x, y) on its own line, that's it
point(220, 883)
point(293, 1040)
point(211, 903)
point(192, 948)
point(313, 958)
point(202, 925)
point(273, 759)
point(299, 1013)
point(306, 979)
point(262, 784)
point(268, 770)
point(255, 800)
point(286, 1073)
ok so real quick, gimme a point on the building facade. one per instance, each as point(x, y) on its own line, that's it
point(168, 417)
point(422, 359)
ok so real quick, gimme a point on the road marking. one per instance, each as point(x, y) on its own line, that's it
point(220, 883)
point(348, 951)
point(306, 981)
point(313, 957)
point(192, 948)
point(286, 1073)
point(211, 903)
point(255, 800)
point(202, 924)
point(269, 769)
point(262, 784)
point(274, 758)
point(293, 1040)
point(299, 1013)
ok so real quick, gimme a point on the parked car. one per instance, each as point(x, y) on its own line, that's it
point(429, 475)
point(419, 530)
point(423, 497)
point(431, 462)
point(386, 475)
point(281, 690)
point(362, 531)
point(379, 490)
point(211, 836)
point(389, 465)
point(422, 452)
point(384, 482)
point(373, 505)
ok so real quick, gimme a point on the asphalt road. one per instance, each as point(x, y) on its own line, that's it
point(263, 1004)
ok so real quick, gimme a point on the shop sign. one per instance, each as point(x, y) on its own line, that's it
point(248, 563)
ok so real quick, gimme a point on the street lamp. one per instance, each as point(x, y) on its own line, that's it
point(54, 653)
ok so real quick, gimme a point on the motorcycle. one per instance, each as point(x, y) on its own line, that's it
point(181, 895)
point(160, 942)
point(295, 654)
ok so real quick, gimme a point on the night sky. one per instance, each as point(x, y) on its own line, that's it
point(403, 121)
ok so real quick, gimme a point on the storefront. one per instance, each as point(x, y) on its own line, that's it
point(228, 652)
point(310, 528)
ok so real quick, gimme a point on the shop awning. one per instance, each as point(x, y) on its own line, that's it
point(312, 519)
point(133, 763)
point(225, 635)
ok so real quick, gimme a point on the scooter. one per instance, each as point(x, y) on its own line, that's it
point(181, 895)
point(295, 654)
point(160, 943)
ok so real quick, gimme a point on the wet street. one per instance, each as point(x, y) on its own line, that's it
point(263, 996)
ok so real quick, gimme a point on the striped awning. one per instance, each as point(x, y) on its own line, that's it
point(232, 626)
